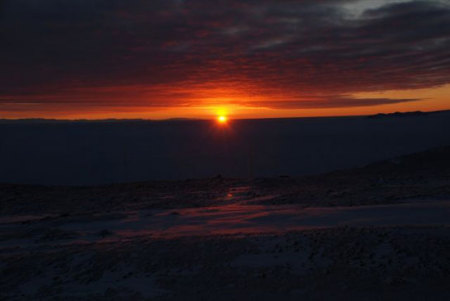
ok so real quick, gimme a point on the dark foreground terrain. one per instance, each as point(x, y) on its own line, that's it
point(91, 153)
point(381, 232)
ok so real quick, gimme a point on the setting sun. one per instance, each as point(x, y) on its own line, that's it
point(222, 119)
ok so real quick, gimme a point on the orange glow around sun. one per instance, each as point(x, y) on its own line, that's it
point(226, 106)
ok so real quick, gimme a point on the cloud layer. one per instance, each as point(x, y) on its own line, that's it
point(280, 54)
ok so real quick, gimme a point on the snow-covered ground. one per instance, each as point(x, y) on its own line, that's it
point(236, 219)
point(339, 263)
point(381, 232)
point(235, 251)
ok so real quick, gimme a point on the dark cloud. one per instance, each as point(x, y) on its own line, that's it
point(166, 52)
point(330, 102)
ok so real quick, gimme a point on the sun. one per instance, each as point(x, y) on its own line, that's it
point(222, 119)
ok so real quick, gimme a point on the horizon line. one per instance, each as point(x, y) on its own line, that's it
point(209, 119)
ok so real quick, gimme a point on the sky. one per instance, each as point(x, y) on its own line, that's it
point(95, 59)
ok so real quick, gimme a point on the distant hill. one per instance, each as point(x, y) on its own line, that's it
point(403, 114)
point(419, 176)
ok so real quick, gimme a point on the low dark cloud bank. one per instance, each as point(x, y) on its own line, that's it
point(163, 52)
